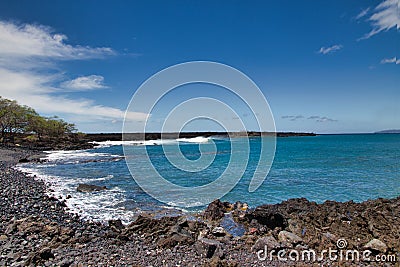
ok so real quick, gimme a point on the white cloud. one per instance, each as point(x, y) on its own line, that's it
point(325, 119)
point(293, 117)
point(385, 17)
point(26, 41)
point(315, 118)
point(34, 90)
point(29, 73)
point(85, 83)
point(363, 13)
point(321, 119)
point(327, 50)
point(390, 60)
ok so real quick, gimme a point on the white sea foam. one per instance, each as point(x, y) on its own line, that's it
point(116, 143)
point(105, 178)
point(198, 139)
point(97, 206)
point(177, 204)
point(76, 156)
point(159, 142)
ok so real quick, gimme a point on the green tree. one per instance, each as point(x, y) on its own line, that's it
point(57, 127)
point(37, 125)
point(15, 118)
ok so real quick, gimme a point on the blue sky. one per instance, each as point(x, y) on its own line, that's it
point(323, 66)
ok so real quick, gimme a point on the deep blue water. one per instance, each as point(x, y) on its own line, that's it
point(327, 167)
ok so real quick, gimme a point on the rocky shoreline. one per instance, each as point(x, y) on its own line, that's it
point(36, 230)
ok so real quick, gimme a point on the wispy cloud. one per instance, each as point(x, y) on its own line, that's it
point(321, 119)
point(385, 17)
point(287, 117)
point(85, 83)
point(325, 119)
point(363, 13)
point(314, 118)
point(35, 90)
point(394, 60)
point(293, 117)
point(29, 72)
point(327, 50)
point(30, 41)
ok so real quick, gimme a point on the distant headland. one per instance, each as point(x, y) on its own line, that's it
point(74, 141)
point(388, 132)
point(98, 137)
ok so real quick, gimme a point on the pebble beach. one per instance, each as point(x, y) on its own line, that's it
point(37, 230)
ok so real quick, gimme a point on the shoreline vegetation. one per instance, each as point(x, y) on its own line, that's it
point(36, 229)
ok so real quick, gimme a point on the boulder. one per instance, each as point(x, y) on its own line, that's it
point(37, 257)
point(376, 245)
point(11, 228)
point(24, 160)
point(268, 215)
point(218, 231)
point(88, 188)
point(268, 241)
point(216, 210)
point(116, 223)
point(45, 253)
point(241, 206)
point(174, 240)
point(288, 237)
point(208, 248)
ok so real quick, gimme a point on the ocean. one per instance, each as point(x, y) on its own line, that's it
point(354, 167)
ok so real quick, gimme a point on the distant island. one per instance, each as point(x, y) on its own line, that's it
point(388, 132)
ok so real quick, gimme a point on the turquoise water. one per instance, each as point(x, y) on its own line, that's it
point(327, 167)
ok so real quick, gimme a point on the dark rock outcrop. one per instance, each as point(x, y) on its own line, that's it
point(216, 210)
point(24, 160)
point(270, 216)
point(208, 248)
point(88, 188)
